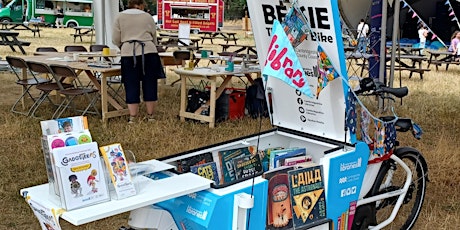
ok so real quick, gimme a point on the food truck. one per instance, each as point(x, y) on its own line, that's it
point(202, 15)
point(76, 12)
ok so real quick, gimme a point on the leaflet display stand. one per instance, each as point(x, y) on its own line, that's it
point(150, 192)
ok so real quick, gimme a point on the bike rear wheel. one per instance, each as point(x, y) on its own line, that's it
point(392, 177)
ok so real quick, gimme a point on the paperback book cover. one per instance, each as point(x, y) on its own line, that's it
point(59, 140)
point(247, 166)
point(80, 176)
point(307, 195)
point(279, 208)
point(64, 125)
point(120, 175)
point(184, 165)
point(226, 161)
point(206, 170)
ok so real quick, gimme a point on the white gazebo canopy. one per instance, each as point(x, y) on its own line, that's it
point(105, 12)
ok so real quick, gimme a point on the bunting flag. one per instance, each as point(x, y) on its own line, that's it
point(326, 71)
point(390, 136)
point(422, 22)
point(351, 117)
point(295, 26)
point(282, 61)
point(379, 144)
point(452, 13)
point(364, 125)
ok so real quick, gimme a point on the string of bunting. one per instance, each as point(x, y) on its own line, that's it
point(414, 14)
point(384, 131)
point(452, 12)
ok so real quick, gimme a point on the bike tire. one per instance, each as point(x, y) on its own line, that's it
point(413, 201)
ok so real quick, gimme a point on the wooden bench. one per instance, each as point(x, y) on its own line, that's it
point(81, 31)
point(412, 70)
point(447, 63)
point(75, 36)
point(9, 38)
point(22, 26)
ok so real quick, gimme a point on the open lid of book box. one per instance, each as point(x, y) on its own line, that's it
point(322, 115)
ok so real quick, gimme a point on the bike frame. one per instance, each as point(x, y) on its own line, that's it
point(372, 172)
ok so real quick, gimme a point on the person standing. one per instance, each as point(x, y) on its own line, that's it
point(134, 32)
point(454, 40)
point(59, 17)
point(422, 34)
point(362, 31)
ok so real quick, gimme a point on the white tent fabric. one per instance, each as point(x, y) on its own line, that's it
point(105, 12)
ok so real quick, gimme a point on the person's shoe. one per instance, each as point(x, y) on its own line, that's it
point(131, 120)
point(150, 118)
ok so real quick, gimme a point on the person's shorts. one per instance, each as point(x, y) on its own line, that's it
point(133, 77)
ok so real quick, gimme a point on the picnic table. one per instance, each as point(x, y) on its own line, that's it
point(227, 36)
point(174, 41)
point(81, 31)
point(248, 49)
point(22, 26)
point(10, 38)
point(414, 65)
point(445, 57)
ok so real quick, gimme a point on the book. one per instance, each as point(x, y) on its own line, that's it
point(64, 125)
point(206, 170)
point(59, 140)
point(279, 208)
point(183, 165)
point(288, 154)
point(277, 153)
point(80, 176)
point(306, 186)
point(226, 161)
point(265, 157)
point(117, 167)
point(295, 160)
point(247, 166)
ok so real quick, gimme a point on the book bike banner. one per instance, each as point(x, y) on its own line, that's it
point(324, 113)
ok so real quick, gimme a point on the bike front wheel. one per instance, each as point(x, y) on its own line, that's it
point(392, 177)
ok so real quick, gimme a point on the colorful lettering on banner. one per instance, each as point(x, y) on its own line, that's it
point(326, 71)
point(379, 144)
point(282, 61)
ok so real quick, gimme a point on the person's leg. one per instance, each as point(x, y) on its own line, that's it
point(153, 71)
point(131, 84)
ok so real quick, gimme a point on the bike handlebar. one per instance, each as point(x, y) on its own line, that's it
point(369, 86)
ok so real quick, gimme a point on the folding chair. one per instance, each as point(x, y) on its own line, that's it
point(18, 63)
point(97, 48)
point(45, 89)
point(46, 49)
point(60, 73)
point(73, 48)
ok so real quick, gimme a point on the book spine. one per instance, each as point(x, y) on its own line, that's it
point(351, 214)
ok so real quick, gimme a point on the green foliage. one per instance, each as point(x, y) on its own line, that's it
point(234, 9)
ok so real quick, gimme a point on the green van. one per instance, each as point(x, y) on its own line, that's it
point(76, 12)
